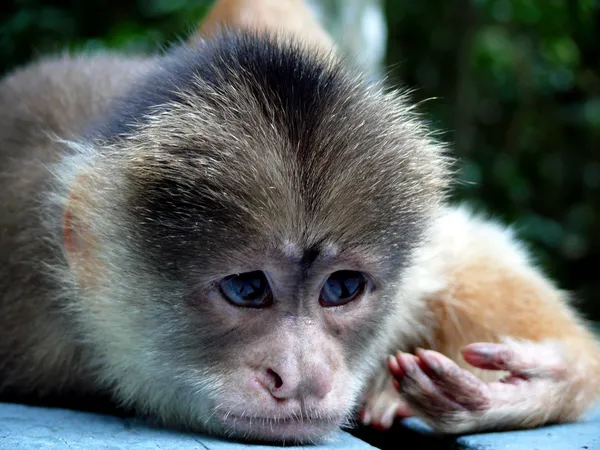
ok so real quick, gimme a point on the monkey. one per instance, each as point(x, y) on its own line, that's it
point(244, 237)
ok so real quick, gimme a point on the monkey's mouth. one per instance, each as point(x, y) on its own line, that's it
point(298, 428)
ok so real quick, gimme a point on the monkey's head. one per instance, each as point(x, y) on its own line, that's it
point(238, 235)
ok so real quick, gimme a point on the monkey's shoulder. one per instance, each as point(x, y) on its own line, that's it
point(58, 95)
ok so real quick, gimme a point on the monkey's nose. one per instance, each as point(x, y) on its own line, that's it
point(297, 386)
point(275, 380)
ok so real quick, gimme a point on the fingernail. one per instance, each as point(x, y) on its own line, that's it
point(366, 417)
point(407, 364)
point(388, 418)
point(484, 350)
point(434, 367)
point(393, 364)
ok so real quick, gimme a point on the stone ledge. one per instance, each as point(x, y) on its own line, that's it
point(584, 435)
point(25, 427)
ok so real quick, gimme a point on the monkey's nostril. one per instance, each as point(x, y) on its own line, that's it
point(278, 382)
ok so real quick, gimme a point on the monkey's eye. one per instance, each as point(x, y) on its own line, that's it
point(249, 290)
point(342, 287)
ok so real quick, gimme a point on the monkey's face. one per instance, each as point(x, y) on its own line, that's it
point(258, 221)
point(283, 334)
point(260, 338)
point(259, 326)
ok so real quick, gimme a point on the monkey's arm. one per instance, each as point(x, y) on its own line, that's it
point(497, 317)
point(281, 17)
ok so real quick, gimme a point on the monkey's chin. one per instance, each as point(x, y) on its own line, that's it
point(297, 430)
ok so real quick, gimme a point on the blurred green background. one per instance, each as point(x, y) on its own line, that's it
point(512, 85)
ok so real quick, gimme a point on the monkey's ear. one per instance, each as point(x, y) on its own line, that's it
point(280, 17)
point(77, 233)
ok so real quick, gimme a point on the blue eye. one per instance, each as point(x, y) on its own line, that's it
point(342, 287)
point(249, 290)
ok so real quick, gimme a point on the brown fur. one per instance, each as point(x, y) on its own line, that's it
point(56, 97)
point(290, 16)
point(489, 299)
point(479, 285)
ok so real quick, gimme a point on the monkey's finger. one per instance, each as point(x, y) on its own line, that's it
point(524, 359)
point(460, 385)
point(421, 393)
point(395, 367)
point(489, 356)
point(379, 413)
point(366, 415)
point(383, 418)
point(403, 410)
point(383, 406)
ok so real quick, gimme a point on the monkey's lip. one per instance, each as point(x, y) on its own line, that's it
point(280, 420)
point(291, 426)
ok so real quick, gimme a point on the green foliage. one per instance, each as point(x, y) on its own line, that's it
point(31, 27)
point(513, 85)
point(517, 87)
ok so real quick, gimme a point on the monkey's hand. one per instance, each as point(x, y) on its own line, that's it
point(541, 386)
